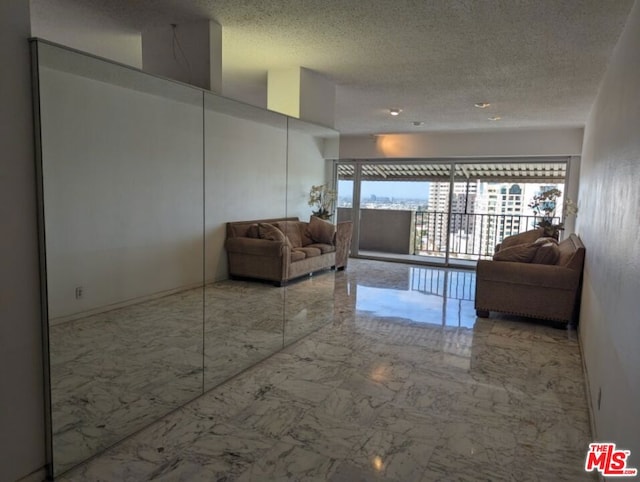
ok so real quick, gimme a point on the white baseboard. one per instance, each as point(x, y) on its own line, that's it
point(121, 304)
point(587, 388)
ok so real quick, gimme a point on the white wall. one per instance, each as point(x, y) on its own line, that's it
point(22, 448)
point(306, 168)
point(123, 189)
point(517, 142)
point(255, 169)
point(194, 56)
point(609, 224)
point(79, 26)
point(245, 177)
point(250, 91)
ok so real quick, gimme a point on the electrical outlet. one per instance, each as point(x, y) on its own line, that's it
point(599, 397)
point(79, 292)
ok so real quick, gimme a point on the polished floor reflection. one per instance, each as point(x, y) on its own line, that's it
point(246, 321)
point(115, 372)
point(381, 393)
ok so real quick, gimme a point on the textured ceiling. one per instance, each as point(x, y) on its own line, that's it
point(538, 62)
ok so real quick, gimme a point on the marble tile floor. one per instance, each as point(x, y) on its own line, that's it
point(383, 393)
point(115, 372)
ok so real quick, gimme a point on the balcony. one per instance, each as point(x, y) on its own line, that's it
point(423, 236)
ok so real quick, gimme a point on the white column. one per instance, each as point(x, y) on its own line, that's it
point(301, 93)
point(190, 52)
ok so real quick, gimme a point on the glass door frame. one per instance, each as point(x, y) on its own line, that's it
point(453, 165)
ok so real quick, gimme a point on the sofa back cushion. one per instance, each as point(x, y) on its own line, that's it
point(272, 233)
point(304, 234)
point(546, 253)
point(253, 231)
point(248, 229)
point(321, 231)
point(291, 230)
point(521, 253)
point(244, 230)
point(521, 238)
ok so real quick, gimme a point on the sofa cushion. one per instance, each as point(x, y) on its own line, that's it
point(324, 248)
point(252, 231)
point(521, 253)
point(309, 252)
point(547, 253)
point(297, 255)
point(240, 229)
point(521, 238)
point(321, 231)
point(567, 254)
point(270, 232)
point(546, 240)
point(304, 234)
point(291, 230)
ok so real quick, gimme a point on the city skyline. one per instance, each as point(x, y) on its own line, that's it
point(390, 189)
point(399, 192)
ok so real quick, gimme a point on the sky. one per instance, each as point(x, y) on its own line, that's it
point(395, 189)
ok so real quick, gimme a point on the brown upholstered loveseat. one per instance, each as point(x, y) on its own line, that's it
point(543, 291)
point(283, 249)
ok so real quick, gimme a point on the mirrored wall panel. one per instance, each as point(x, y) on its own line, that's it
point(245, 184)
point(123, 200)
point(160, 279)
point(309, 299)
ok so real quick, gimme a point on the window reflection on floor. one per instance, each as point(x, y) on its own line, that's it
point(430, 295)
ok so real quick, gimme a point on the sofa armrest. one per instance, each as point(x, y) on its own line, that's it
point(535, 275)
point(342, 242)
point(255, 246)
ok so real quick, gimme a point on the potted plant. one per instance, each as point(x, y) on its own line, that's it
point(544, 207)
point(321, 198)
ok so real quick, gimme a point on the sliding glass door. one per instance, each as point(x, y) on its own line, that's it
point(442, 212)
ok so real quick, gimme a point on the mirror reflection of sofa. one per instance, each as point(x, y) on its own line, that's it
point(532, 276)
point(283, 249)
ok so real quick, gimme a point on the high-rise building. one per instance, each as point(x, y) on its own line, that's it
point(461, 226)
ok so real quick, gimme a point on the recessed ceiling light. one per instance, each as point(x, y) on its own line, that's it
point(494, 118)
point(418, 123)
point(482, 105)
point(395, 111)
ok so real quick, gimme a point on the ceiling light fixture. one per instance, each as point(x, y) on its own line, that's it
point(395, 111)
point(482, 105)
point(494, 118)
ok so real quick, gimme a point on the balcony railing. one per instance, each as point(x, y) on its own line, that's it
point(467, 236)
point(455, 285)
point(427, 233)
